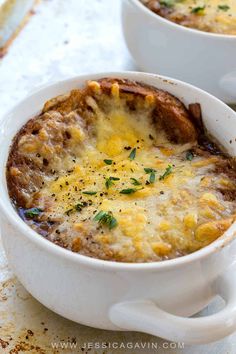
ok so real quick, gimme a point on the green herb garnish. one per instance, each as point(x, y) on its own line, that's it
point(198, 9)
point(89, 193)
point(166, 173)
point(99, 216)
point(135, 182)
point(106, 218)
point(31, 213)
point(108, 162)
point(149, 170)
point(129, 191)
point(189, 155)
point(223, 7)
point(152, 174)
point(112, 222)
point(132, 154)
point(109, 181)
point(152, 177)
point(167, 3)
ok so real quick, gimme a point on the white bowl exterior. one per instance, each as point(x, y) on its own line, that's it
point(84, 289)
point(85, 294)
point(160, 46)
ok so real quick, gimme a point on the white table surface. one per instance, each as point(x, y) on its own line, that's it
point(66, 38)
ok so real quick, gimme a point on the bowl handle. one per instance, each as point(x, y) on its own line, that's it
point(146, 316)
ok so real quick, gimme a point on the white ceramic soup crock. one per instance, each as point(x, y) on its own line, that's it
point(204, 59)
point(155, 298)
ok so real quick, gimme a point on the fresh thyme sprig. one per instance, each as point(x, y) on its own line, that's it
point(106, 218)
point(167, 172)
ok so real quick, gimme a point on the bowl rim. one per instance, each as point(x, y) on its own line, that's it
point(14, 218)
point(176, 26)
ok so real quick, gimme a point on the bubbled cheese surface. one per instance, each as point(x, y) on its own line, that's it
point(218, 16)
point(174, 215)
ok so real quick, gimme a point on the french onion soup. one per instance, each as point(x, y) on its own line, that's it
point(217, 16)
point(121, 171)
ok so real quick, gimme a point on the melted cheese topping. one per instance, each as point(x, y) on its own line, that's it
point(178, 213)
point(218, 16)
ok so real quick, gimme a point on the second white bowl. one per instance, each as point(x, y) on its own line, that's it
point(206, 60)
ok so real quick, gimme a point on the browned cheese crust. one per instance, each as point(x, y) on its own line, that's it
point(212, 16)
point(48, 171)
point(25, 175)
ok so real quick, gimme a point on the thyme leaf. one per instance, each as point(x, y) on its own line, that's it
point(189, 155)
point(109, 181)
point(132, 154)
point(223, 7)
point(108, 162)
point(129, 191)
point(167, 3)
point(166, 173)
point(32, 212)
point(198, 9)
point(135, 182)
point(152, 174)
point(152, 177)
point(89, 192)
point(106, 218)
point(149, 170)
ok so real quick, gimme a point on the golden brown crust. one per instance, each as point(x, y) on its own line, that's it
point(169, 110)
point(20, 171)
point(31, 160)
point(25, 174)
point(60, 154)
point(64, 103)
